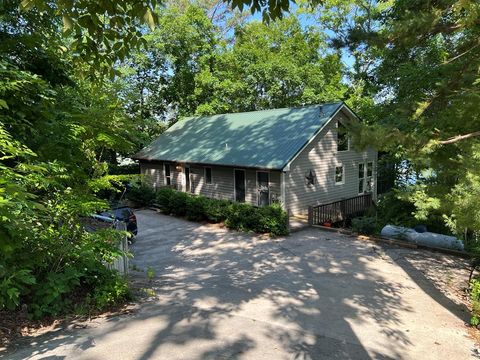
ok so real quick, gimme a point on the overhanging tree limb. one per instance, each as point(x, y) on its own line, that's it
point(458, 138)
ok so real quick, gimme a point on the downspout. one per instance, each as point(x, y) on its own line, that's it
point(283, 187)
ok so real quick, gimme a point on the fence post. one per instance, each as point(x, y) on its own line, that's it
point(310, 215)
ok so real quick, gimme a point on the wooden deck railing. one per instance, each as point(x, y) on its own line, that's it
point(338, 211)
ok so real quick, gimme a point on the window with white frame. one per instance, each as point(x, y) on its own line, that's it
point(365, 177)
point(361, 178)
point(369, 176)
point(208, 175)
point(339, 174)
point(168, 178)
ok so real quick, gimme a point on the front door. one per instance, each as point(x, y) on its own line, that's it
point(239, 185)
point(187, 179)
point(263, 188)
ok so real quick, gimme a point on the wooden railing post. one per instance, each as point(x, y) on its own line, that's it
point(310, 215)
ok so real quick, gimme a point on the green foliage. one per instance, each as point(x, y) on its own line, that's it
point(239, 216)
point(365, 225)
point(475, 299)
point(178, 203)
point(13, 285)
point(392, 209)
point(111, 290)
point(161, 78)
point(150, 273)
point(217, 210)
point(190, 68)
point(163, 199)
point(100, 34)
point(398, 208)
point(58, 134)
point(105, 33)
point(269, 66)
point(272, 219)
point(196, 208)
point(141, 193)
point(419, 61)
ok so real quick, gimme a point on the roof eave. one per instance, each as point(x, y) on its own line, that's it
point(275, 168)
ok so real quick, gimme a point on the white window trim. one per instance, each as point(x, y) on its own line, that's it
point(205, 175)
point(371, 178)
point(364, 176)
point(343, 174)
point(256, 184)
point(235, 184)
point(367, 178)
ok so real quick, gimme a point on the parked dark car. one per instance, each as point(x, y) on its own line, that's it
point(121, 213)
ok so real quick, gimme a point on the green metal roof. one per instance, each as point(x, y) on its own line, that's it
point(263, 139)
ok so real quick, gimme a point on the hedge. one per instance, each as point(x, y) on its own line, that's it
point(239, 216)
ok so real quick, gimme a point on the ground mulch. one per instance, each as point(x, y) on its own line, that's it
point(16, 324)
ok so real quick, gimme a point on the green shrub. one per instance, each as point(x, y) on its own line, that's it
point(395, 211)
point(216, 210)
point(365, 225)
point(111, 289)
point(239, 216)
point(141, 193)
point(196, 208)
point(272, 219)
point(475, 299)
point(164, 199)
point(178, 203)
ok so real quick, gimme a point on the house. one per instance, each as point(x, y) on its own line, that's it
point(296, 156)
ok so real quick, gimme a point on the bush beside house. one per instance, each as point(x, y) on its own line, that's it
point(239, 216)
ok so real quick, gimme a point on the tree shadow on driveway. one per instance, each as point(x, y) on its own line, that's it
point(231, 295)
point(299, 295)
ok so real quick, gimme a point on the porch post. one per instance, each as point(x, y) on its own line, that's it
point(310, 215)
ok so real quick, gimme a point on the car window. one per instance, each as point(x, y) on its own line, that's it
point(122, 213)
point(107, 213)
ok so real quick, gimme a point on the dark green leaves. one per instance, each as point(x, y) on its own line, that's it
point(97, 27)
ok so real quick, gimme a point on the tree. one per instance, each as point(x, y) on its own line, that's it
point(105, 31)
point(423, 60)
point(270, 66)
point(158, 82)
point(57, 134)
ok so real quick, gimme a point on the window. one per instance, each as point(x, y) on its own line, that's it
point(365, 177)
point(370, 176)
point(168, 179)
point(339, 175)
point(342, 138)
point(370, 169)
point(208, 175)
point(361, 178)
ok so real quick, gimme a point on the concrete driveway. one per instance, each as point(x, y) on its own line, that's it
point(230, 295)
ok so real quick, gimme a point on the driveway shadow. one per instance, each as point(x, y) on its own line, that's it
point(302, 284)
point(230, 295)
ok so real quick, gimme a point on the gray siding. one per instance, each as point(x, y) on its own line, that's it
point(321, 155)
point(153, 174)
point(222, 186)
